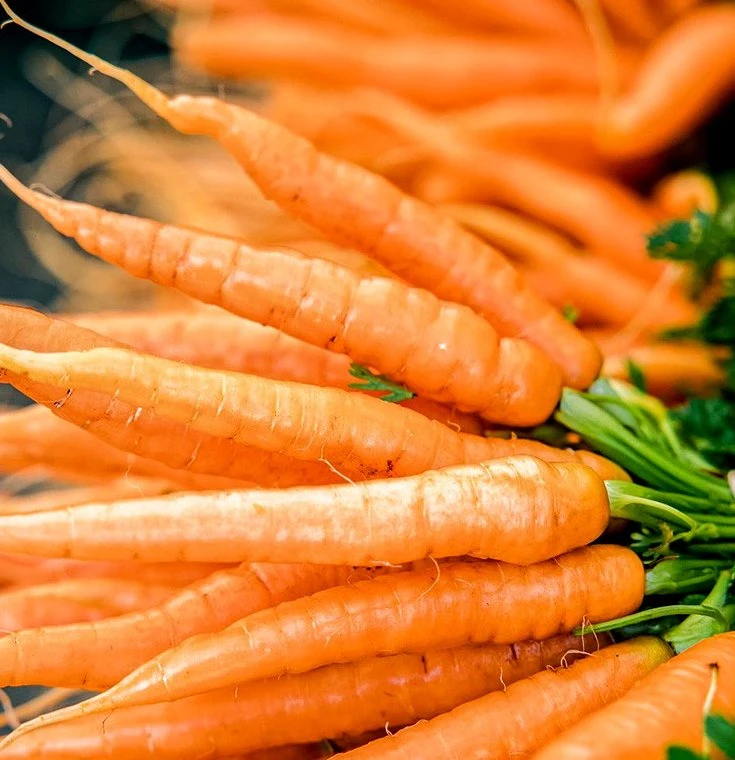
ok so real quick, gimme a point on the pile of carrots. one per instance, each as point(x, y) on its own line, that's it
point(251, 553)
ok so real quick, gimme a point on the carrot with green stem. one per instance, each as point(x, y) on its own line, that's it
point(520, 510)
point(686, 72)
point(98, 654)
point(402, 612)
point(361, 437)
point(75, 601)
point(530, 712)
point(646, 721)
point(361, 210)
point(333, 701)
point(442, 350)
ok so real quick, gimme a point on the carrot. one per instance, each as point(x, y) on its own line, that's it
point(75, 601)
point(671, 370)
point(470, 70)
point(442, 350)
point(687, 71)
point(599, 291)
point(362, 437)
point(59, 498)
point(97, 655)
point(360, 210)
point(679, 195)
point(448, 513)
point(456, 604)
point(636, 19)
point(647, 720)
point(530, 712)
point(333, 701)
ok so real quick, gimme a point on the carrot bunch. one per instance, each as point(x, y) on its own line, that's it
point(249, 550)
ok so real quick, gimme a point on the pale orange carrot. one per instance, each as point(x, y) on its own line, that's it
point(360, 436)
point(414, 611)
point(361, 210)
point(96, 655)
point(679, 195)
point(447, 513)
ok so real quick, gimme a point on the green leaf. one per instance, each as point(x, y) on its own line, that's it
point(721, 732)
point(683, 753)
point(571, 313)
point(369, 381)
point(635, 373)
point(709, 425)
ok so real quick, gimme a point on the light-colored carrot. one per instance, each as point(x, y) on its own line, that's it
point(520, 510)
point(413, 611)
point(333, 701)
point(441, 350)
point(679, 195)
point(646, 721)
point(529, 713)
point(360, 436)
point(363, 211)
point(601, 292)
point(470, 70)
point(687, 71)
point(76, 601)
point(97, 655)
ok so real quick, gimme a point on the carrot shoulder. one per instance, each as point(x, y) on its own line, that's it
point(647, 720)
point(520, 510)
point(529, 713)
point(362, 437)
point(413, 611)
point(359, 209)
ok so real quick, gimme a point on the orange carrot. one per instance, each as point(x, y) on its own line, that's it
point(333, 701)
point(75, 601)
point(442, 350)
point(687, 71)
point(448, 513)
point(599, 291)
point(529, 713)
point(647, 720)
point(452, 605)
point(360, 210)
point(470, 70)
point(636, 19)
point(360, 436)
point(679, 195)
point(97, 655)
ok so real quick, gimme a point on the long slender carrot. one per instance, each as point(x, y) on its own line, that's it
point(360, 436)
point(685, 74)
point(601, 292)
point(333, 701)
point(470, 70)
point(361, 210)
point(97, 655)
point(529, 713)
point(519, 510)
point(76, 601)
point(413, 611)
point(647, 720)
point(442, 350)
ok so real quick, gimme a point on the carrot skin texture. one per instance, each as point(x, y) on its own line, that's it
point(333, 701)
point(519, 510)
point(75, 601)
point(459, 358)
point(360, 436)
point(531, 711)
point(646, 720)
point(685, 73)
point(486, 601)
point(78, 655)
